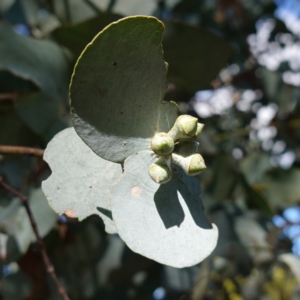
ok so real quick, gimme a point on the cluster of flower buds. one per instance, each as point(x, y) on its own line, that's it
point(178, 146)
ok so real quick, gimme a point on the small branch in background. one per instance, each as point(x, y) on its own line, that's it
point(46, 259)
point(9, 96)
point(19, 150)
point(68, 14)
point(93, 6)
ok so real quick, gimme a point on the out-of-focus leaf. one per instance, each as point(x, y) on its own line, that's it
point(272, 82)
point(281, 187)
point(75, 260)
point(112, 258)
point(130, 8)
point(13, 131)
point(14, 221)
point(81, 181)
point(77, 10)
point(256, 197)
point(73, 11)
point(45, 217)
point(224, 178)
point(254, 166)
point(181, 280)
point(285, 96)
point(117, 89)
point(293, 262)
point(42, 62)
point(254, 238)
point(76, 37)
point(40, 20)
point(40, 113)
point(163, 222)
point(16, 286)
point(195, 56)
point(5, 5)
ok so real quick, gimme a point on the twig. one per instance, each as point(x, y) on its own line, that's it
point(9, 96)
point(19, 150)
point(46, 259)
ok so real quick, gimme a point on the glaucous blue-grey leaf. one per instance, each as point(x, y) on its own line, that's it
point(15, 222)
point(281, 184)
point(118, 86)
point(37, 71)
point(81, 181)
point(163, 222)
point(43, 63)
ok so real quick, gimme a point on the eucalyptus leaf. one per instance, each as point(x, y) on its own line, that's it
point(133, 7)
point(281, 187)
point(76, 37)
point(30, 108)
point(81, 181)
point(255, 165)
point(117, 89)
point(73, 11)
point(254, 238)
point(15, 222)
point(163, 222)
point(42, 62)
point(293, 262)
point(5, 5)
point(195, 56)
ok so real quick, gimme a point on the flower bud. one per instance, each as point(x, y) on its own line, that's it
point(197, 165)
point(160, 173)
point(186, 148)
point(199, 129)
point(191, 165)
point(184, 127)
point(162, 144)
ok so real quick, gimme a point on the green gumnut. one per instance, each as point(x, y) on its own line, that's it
point(197, 165)
point(160, 173)
point(199, 129)
point(184, 127)
point(192, 165)
point(162, 144)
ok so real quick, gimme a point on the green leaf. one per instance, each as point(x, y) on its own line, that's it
point(132, 8)
point(30, 65)
point(15, 222)
point(81, 181)
point(117, 89)
point(281, 187)
point(293, 262)
point(42, 62)
point(256, 197)
point(253, 236)
point(163, 222)
point(40, 114)
point(5, 5)
point(255, 165)
point(195, 56)
point(13, 131)
point(17, 286)
point(76, 37)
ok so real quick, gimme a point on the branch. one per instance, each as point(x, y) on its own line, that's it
point(19, 150)
point(9, 96)
point(46, 259)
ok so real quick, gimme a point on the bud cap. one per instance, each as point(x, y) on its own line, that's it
point(162, 144)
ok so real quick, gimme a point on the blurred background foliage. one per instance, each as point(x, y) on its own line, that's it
point(235, 64)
